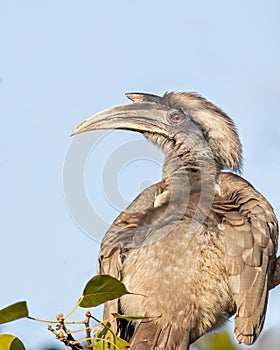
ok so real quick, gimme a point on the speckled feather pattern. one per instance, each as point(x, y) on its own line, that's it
point(193, 285)
point(204, 277)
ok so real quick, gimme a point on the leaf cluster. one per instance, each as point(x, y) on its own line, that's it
point(98, 290)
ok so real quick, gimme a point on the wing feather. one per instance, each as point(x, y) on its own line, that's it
point(112, 253)
point(250, 233)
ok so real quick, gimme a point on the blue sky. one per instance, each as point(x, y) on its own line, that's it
point(62, 61)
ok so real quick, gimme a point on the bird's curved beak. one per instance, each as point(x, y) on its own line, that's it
point(143, 116)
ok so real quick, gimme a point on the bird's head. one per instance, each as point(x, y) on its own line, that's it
point(173, 120)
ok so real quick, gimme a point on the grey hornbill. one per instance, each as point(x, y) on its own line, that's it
point(200, 245)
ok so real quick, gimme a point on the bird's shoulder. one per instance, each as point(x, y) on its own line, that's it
point(121, 234)
point(239, 202)
point(135, 219)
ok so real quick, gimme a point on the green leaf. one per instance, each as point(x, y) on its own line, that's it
point(106, 337)
point(222, 341)
point(106, 328)
point(101, 343)
point(128, 317)
point(101, 288)
point(122, 344)
point(13, 312)
point(119, 344)
point(219, 341)
point(10, 342)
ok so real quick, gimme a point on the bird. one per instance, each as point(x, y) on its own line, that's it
point(200, 245)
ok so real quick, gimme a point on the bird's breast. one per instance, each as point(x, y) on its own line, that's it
point(183, 279)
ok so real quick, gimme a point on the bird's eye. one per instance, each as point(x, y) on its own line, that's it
point(176, 117)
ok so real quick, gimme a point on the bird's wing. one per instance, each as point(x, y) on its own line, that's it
point(250, 233)
point(121, 236)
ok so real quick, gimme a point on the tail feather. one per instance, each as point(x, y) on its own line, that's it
point(151, 336)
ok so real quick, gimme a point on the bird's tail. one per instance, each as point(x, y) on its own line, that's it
point(151, 336)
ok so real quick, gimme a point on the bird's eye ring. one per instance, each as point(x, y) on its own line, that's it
point(176, 117)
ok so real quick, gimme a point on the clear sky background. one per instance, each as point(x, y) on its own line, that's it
point(62, 61)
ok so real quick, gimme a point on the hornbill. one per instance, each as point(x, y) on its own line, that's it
point(200, 245)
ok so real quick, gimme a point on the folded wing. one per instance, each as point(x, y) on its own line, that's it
point(250, 232)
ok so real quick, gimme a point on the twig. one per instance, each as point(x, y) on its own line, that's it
point(88, 330)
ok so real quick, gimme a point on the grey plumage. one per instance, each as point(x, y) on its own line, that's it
point(201, 244)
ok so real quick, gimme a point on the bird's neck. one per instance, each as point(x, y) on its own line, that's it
point(188, 166)
point(184, 165)
point(189, 183)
